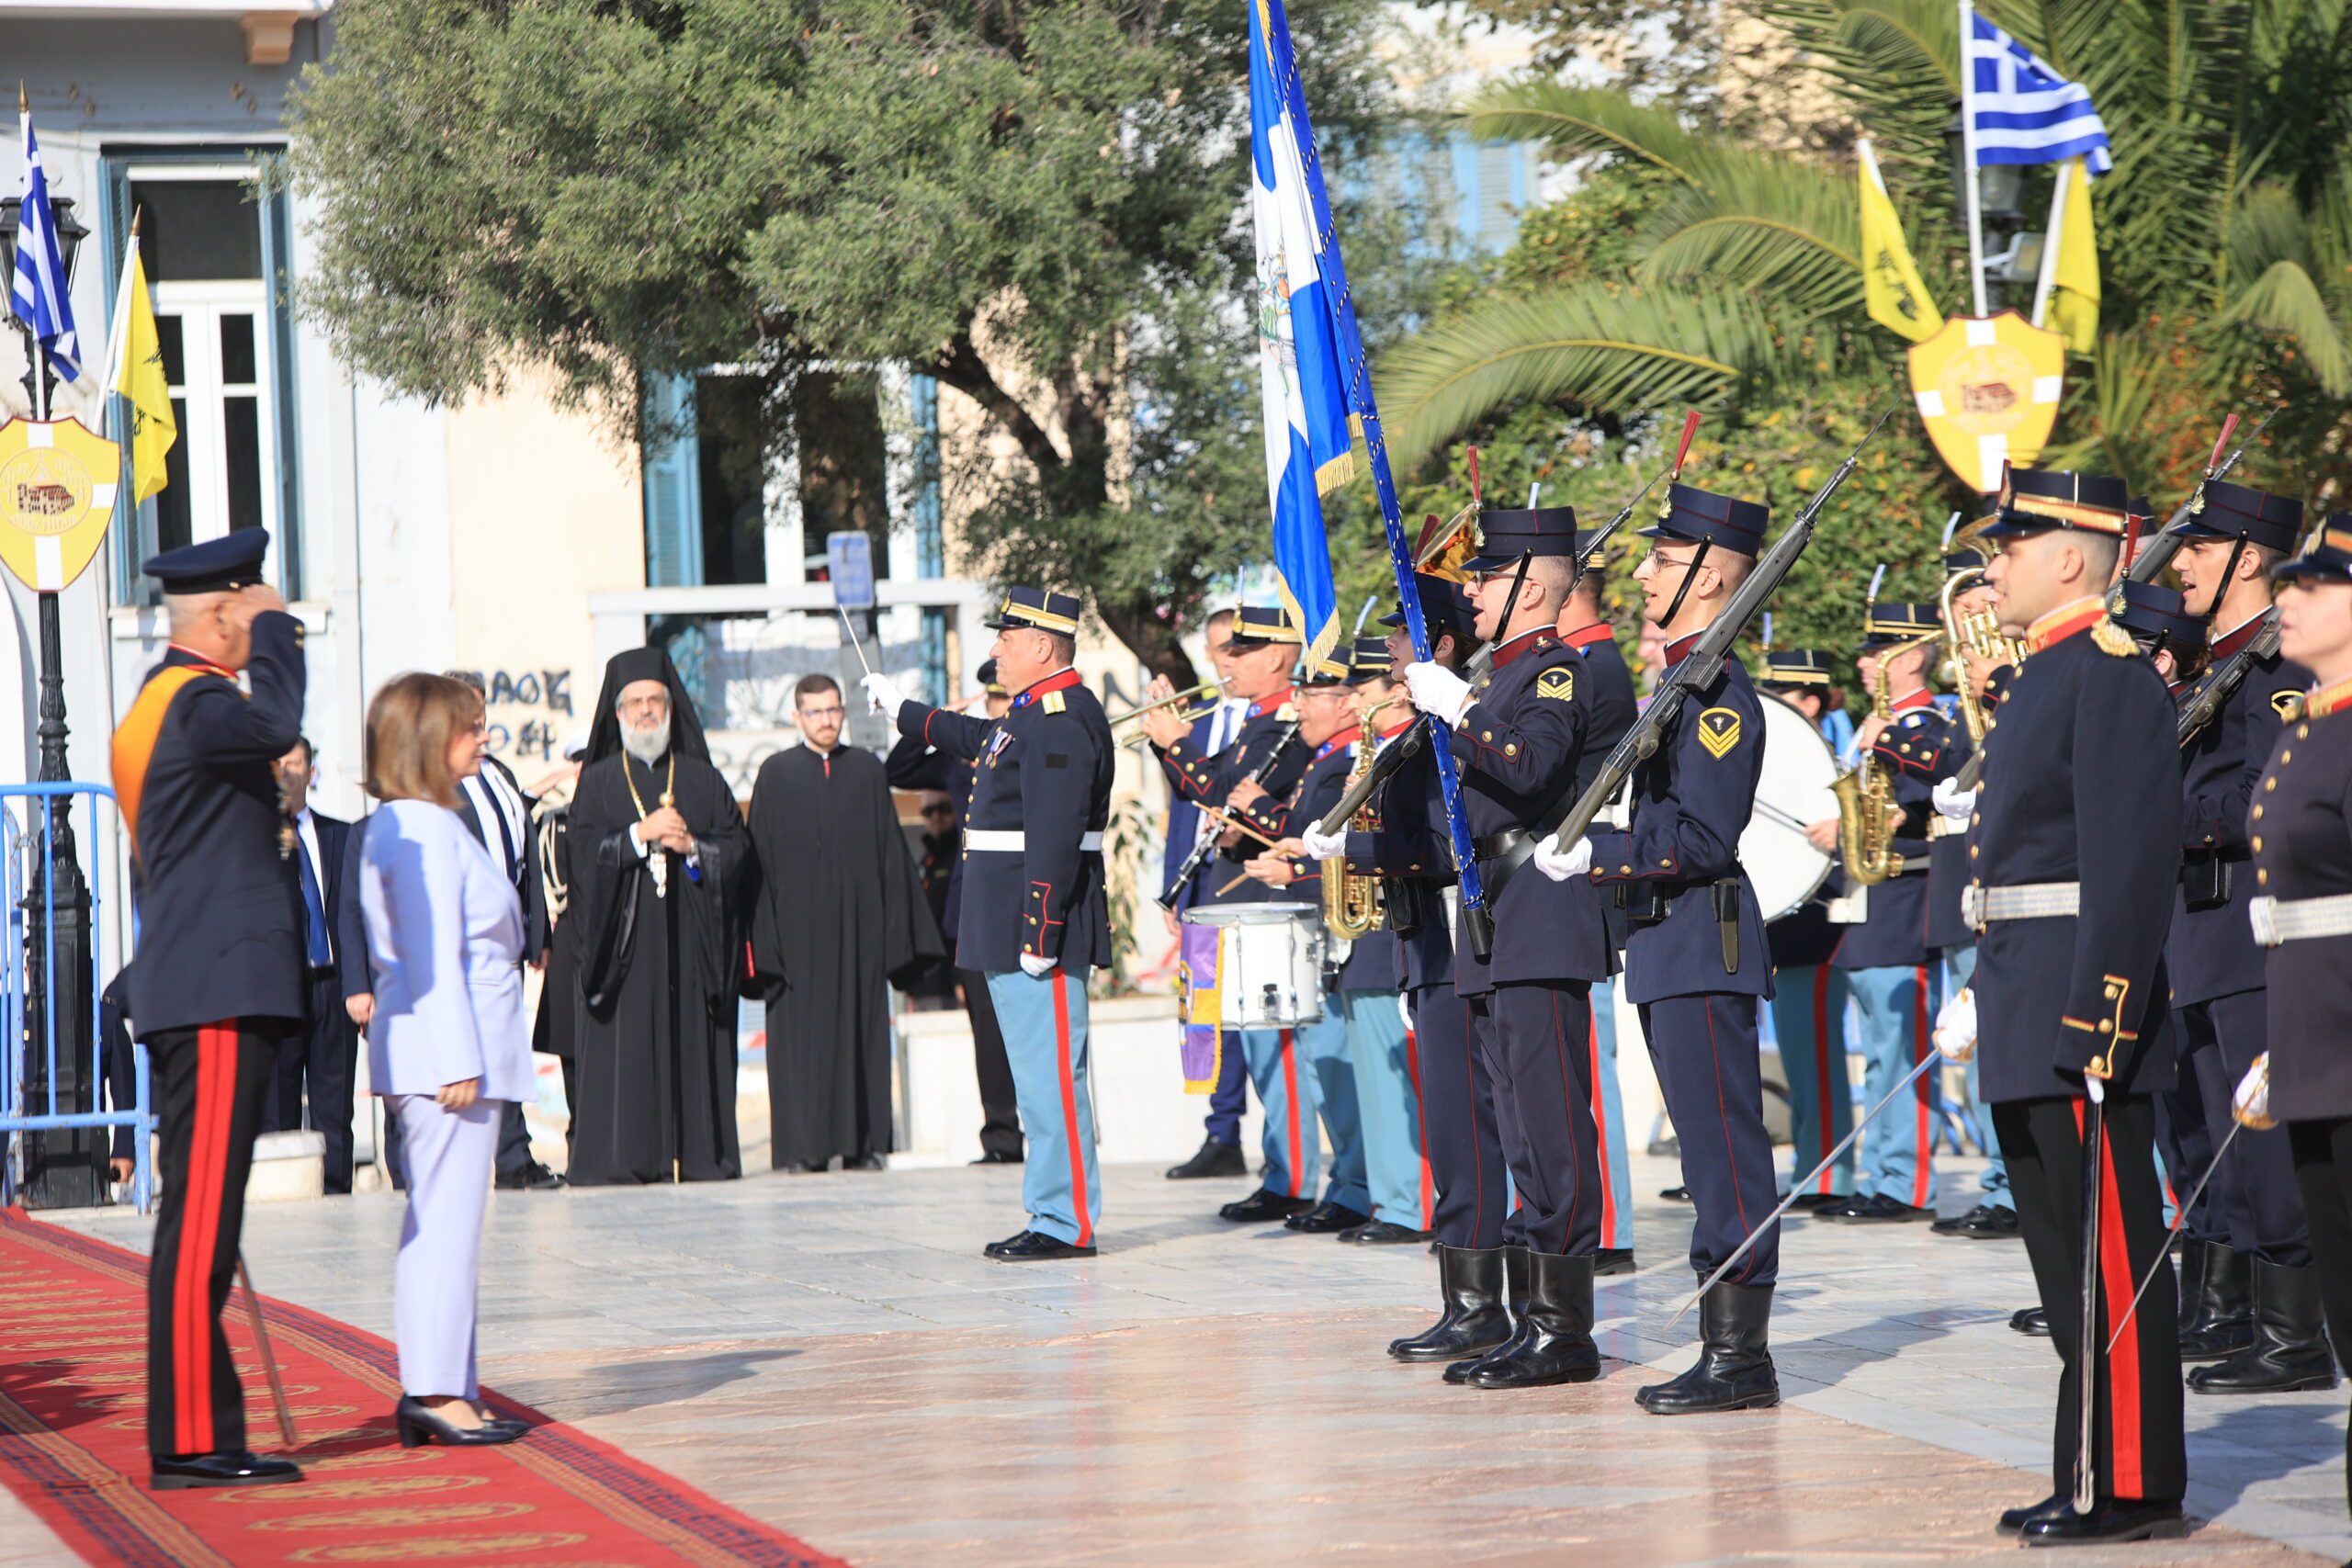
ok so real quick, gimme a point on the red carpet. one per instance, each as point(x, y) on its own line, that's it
point(73, 1447)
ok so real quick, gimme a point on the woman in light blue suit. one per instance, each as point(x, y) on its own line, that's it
point(448, 1039)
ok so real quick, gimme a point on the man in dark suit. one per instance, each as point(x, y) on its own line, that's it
point(219, 978)
point(326, 1050)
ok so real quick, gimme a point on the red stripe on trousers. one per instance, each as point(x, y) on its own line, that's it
point(1821, 1074)
point(1290, 1111)
point(1421, 1106)
point(216, 1083)
point(1922, 1167)
point(1069, 1106)
point(1600, 1122)
point(2122, 1362)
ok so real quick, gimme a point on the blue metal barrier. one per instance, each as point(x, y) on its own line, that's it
point(25, 829)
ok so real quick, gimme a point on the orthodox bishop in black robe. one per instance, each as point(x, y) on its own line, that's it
point(841, 917)
point(657, 933)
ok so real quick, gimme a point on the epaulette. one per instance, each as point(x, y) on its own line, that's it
point(1052, 702)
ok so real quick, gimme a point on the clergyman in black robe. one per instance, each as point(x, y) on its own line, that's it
point(659, 865)
point(840, 918)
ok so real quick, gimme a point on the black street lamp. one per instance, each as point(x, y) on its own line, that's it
point(63, 1168)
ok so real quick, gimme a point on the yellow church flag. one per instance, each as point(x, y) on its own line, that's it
point(1892, 286)
point(141, 379)
point(2074, 280)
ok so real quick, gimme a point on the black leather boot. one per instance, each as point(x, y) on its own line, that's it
point(1516, 1287)
point(2290, 1351)
point(1473, 1319)
point(1557, 1346)
point(2217, 1319)
point(1735, 1369)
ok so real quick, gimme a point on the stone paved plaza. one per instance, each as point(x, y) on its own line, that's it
point(832, 1353)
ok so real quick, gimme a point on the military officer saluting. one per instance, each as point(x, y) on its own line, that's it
point(2074, 851)
point(1696, 962)
point(1034, 917)
point(221, 973)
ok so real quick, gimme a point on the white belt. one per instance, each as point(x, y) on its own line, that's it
point(2278, 921)
point(1014, 839)
point(1980, 907)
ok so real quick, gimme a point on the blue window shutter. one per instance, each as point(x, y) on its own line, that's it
point(673, 455)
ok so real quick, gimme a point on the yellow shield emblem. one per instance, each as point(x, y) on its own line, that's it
point(1988, 390)
point(57, 488)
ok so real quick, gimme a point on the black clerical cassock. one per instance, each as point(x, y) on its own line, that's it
point(655, 1021)
point(840, 917)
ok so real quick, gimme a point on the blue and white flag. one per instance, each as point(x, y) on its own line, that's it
point(37, 298)
point(1304, 399)
point(2021, 111)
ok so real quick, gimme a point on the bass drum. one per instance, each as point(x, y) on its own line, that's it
point(1782, 866)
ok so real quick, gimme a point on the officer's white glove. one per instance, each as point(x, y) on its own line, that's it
point(882, 694)
point(1324, 846)
point(1437, 690)
point(1955, 1034)
point(1562, 864)
point(2251, 1103)
point(1952, 801)
point(1035, 966)
point(2096, 1087)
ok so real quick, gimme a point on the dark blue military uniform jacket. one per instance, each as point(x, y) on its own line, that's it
point(1207, 781)
point(1413, 845)
point(2211, 951)
point(1693, 798)
point(1518, 745)
point(915, 764)
point(1044, 774)
point(2080, 774)
point(1371, 962)
point(2302, 822)
point(1921, 745)
point(222, 929)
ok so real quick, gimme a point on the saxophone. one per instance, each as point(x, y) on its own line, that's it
point(1978, 632)
point(1867, 814)
point(1353, 902)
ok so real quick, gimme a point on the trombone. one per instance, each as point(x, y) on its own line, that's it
point(1170, 700)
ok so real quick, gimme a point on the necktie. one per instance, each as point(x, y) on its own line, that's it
point(320, 955)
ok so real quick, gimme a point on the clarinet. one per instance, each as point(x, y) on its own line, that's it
point(1207, 846)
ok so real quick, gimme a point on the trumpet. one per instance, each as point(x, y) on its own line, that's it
point(1170, 700)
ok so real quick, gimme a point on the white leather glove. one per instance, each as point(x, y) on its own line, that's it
point(2251, 1103)
point(1324, 846)
point(1952, 801)
point(1035, 968)
point(882, 694)
point(1437, 690)
point(1955, 1033)
point(1562, 864)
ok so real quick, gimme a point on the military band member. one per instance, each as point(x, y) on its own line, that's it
point(1809, 992)
point(2230, 545)
point(1034, 917)
point(2301, 844)
point(221, 976)
point(1520, 732)
point(1261, 656)
point(2072, 853)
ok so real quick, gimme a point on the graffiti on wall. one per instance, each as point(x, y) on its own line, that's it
point(529, 710)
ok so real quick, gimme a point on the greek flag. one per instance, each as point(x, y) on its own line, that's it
point(2021, 111)
point(1304, 399)
point(38, 298)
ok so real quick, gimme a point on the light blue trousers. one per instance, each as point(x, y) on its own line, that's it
point(1809, 1021)
point(1894, 1011)
point(1288, 1091)
point(1609, 1116)
point(1386, 1105)
point(1960, 967)
point(1044, 1020)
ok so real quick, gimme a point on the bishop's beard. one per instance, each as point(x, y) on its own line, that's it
point(646, 745)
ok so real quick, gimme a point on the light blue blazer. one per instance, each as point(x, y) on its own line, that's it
point(445, 931)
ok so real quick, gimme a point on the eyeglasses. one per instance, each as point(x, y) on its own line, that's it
point(823, 713)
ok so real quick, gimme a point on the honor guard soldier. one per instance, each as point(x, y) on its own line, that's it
point(1884, 954)
point(1521, 732)
point(1034, 917)
point(1696, 961)
point(1809, 993)
point(2074, 851)
point(221, 973)
point(2229, 545)
point(2301, 910)
point(1264, 758)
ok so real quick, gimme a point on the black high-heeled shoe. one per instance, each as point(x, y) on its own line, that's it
point(420, 1425)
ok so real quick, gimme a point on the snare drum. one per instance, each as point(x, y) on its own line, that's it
point(1269, 963)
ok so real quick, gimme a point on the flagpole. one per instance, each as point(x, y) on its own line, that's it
point(2056, 229)
point(1968, 158)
